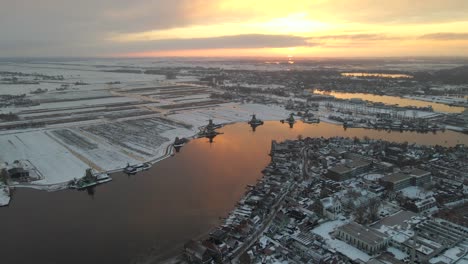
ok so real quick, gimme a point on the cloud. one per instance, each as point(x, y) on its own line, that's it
point(356, 37)
point(445, 36)
point(82, 28)
point(392, 12)
point(224, 42)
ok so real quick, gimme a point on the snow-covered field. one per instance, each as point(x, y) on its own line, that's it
point(111, 120)
point(229, 113)
point(53, 160)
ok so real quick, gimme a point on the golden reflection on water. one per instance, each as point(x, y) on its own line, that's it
point(379, 75)
point(393, 100)
point(178, 199)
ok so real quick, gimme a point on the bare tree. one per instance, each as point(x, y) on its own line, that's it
point(4, 175)
point(374, 205)
point(318, 207)
point(360, 214)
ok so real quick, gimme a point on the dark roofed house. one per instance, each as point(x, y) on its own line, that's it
point(196, 252)
point(16, 173)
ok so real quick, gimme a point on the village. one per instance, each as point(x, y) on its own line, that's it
point(347, 200)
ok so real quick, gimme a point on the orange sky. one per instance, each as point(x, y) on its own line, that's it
point(300, 28)
point(329, 28)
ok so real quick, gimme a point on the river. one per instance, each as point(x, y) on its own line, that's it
point(151, 214)
point(392, 100)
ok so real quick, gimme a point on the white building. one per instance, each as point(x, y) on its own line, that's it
point(331, 207)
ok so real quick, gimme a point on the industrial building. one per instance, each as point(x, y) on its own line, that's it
point(364, 238)
point(406, 178)
point(349, 169)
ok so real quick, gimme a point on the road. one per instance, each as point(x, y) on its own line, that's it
point(266, 223)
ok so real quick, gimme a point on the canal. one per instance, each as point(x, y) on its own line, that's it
point(147, 216)
point(392, 100)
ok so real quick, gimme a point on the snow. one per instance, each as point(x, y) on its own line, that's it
point(59, 160)
point(52, 160)
point(229, 113)
point(398, 254)
point(64, 153)
point(440, 259)
point(4, 195)
point(414, 192)
point(454, 253)
point(396, 233)
point(68, 104)
point(104, 155)
point(351, 252)
point(373, 176)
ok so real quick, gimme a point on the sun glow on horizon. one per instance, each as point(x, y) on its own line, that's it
point(310, 31)
point(293, 24)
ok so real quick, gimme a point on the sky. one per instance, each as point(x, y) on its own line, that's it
point(232, 28)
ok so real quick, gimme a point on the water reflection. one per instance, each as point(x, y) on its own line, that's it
point(393, 100)
point(378, 75)
point(154, 212)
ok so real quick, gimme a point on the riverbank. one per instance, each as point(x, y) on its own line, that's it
point(60, 155)
point(401, 101)
point(225, 115)
point(4, 195)
point(180, 198)
point(318, 196)
point(447, 100)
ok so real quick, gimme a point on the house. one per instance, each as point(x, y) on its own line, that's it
point(331, 207)
point(425, 204)
point(363, 238)
point(18, 172)
point(196, 252)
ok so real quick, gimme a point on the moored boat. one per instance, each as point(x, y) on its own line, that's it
point(130, 169)
point(90, 179)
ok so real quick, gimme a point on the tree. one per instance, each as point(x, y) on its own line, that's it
point(245, 258)
point(374, 205)
point(317, 207)
point(4, 176)
point(360, 214)
point(356, 140)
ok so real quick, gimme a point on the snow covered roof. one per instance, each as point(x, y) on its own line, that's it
point(365, 234)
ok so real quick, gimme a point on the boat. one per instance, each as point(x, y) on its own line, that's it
point(131, 169)
point(90, 179)
point(179, 142)
point(311, 120)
